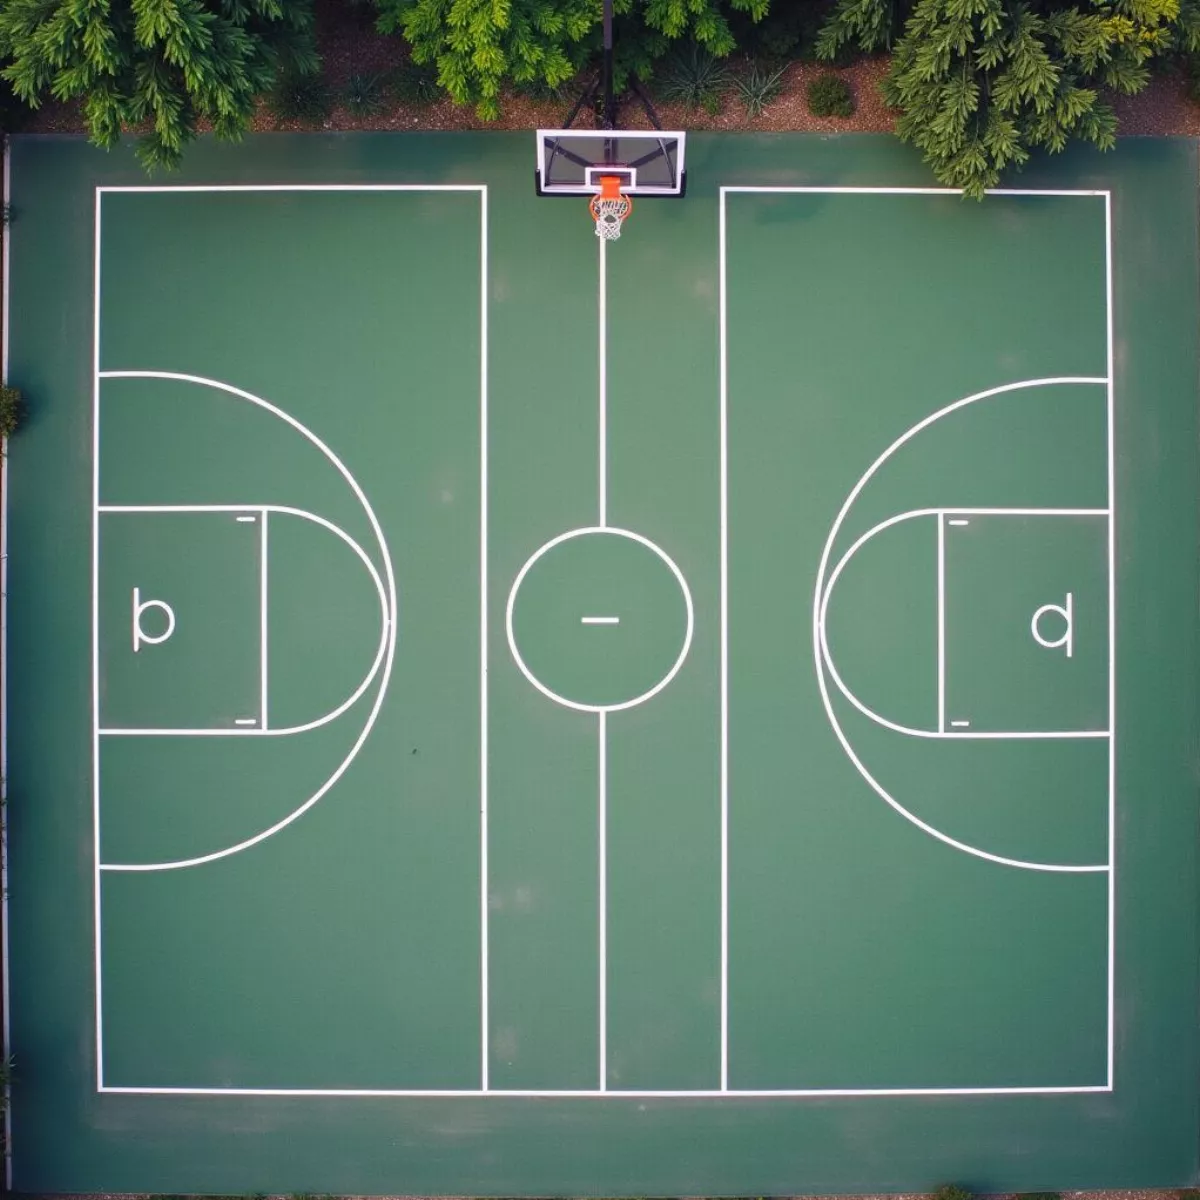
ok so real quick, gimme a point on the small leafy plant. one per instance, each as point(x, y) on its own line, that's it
point(12, 412)
point(951, 1191)
point(300, 96)
point(416, 83)
point(695, 79)
point(758, 87)
point(365, 94)
point(830, 96)
point(1191, 85)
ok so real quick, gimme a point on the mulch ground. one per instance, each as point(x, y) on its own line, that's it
point(350, 45)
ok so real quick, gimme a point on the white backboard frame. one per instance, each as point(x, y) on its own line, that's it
point(637, 182)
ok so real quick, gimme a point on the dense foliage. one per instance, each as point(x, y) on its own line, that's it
point(479, 45)
point(979, 84)
point(159, 66)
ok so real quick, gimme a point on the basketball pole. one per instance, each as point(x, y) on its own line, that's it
point(610, 109)
point(602, 82)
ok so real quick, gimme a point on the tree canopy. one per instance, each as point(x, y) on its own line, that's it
point(979, 84)
point(479, 45)
point(158, 66)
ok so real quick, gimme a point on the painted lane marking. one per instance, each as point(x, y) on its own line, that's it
point(599, 620)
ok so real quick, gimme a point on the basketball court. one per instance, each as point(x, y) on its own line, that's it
point(495, 709)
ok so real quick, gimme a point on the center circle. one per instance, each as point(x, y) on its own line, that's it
point(599, 619)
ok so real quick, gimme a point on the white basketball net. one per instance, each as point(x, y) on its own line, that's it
point(609, 216)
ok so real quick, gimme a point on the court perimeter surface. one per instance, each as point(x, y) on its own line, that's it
point(492, 711)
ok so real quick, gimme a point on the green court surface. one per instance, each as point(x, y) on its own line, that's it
point(496, 712)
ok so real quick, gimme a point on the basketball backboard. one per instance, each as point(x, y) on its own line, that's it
point(649, 162)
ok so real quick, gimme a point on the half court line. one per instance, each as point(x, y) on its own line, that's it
point(262, 630)
point(602, 308)
point(941, 621)
point(602, 832)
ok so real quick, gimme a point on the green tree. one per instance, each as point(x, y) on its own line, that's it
point(980, 84)
point(160, 67)
point(480, 45)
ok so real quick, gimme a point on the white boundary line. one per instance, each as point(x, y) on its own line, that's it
point(724, 680)
point(909, 191)
point(483, 702)
point(602, 881)
point(940, 732)
point(385, 620)
point(262, 629)
point(4, 927)
point(484, 981)
point(724, 1091)
point(96, 902)
point(1112, 644)
point(527, 1093)
point(941, 622)
point(195, 188)
point(723, 412)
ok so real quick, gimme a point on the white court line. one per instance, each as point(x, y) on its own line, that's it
point(5, 241)
point(940, 732)
point(819, 651)
point(484, 987)
point(528, 1093)
point(376, 529)
point(941, 621)
point(246, 520)
point(295, 187)
point(784, 189)
point(960, 522)
point(602, 872)
point(599, 620)
point(819, 590)
point(246, 721)
point(612, 530)
point(1112, 642)
point(96, 915)
point(481, 190)
point(723, 410)
point(960, 724)
point(263, 630)
point(603, 365)
point(286, 510)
